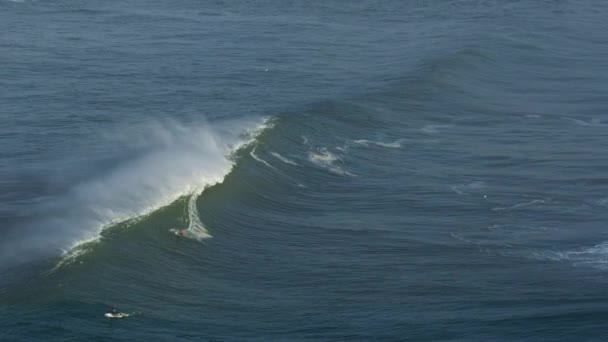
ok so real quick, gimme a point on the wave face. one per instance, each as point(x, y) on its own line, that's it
point(422, 164)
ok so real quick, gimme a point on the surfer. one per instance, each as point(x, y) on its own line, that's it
point(178, 232)
point(115, 314)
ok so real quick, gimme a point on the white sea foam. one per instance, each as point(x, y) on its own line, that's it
point(394, 144)
point(195, 226)
point(465, 189)
point(327, 160)
point(183, 161)
point(258, 159)
point(195, 230)
point(594, 256)
point(283, 159)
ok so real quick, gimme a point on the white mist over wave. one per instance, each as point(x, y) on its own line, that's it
point(182, 160)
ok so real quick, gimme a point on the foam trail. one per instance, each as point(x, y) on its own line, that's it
point(255, 156)
point(181, 160)
point(195, 226)
point(283, 159)
point(465, 189)
point(594, 256)
point(594, 122)
point(195, 230)
point(326, 160)
point(519, 205)
point(395, 144)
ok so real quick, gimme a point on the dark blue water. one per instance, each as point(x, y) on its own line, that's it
point(386, 170)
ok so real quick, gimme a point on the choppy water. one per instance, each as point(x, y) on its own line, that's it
point(387, 170)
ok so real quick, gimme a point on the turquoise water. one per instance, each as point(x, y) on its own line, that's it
point(374, 171)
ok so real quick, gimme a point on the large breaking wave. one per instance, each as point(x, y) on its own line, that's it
point(180, 160)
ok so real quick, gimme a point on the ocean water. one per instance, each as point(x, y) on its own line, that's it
point(368, 170)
